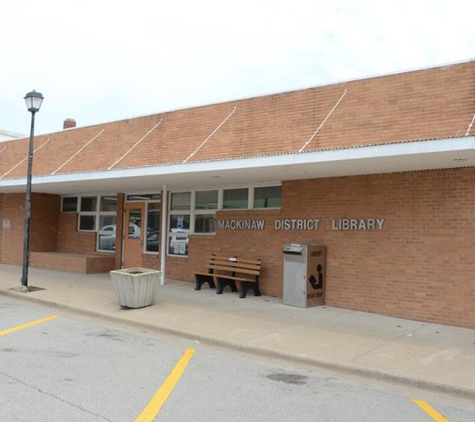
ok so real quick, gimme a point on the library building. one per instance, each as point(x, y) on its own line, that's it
point(366, 186)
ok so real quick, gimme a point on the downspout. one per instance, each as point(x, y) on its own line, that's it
point(163, 247)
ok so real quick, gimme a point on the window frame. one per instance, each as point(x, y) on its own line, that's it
point(88, 213)
point(102, 232)
point(193, 212)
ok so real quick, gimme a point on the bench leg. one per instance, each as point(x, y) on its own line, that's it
point(222, 283)
point(201, 279)
point(246, 285)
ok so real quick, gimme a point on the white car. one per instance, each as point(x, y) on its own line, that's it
point(107, 241)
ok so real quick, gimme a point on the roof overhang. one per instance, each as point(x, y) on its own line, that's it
point(388, 158)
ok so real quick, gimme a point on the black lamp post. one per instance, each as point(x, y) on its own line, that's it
point(33, 103)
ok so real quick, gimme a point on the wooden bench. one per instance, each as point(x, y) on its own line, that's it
point(225, 271)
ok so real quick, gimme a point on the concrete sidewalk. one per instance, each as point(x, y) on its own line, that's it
point(430, 356)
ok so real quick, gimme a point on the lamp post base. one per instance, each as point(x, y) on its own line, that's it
point(21, 289)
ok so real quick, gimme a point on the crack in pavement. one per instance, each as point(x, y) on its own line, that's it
point(39, 390)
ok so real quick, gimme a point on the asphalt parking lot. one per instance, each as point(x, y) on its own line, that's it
point(57, 367)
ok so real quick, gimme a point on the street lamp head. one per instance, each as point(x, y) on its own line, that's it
point(33, 101)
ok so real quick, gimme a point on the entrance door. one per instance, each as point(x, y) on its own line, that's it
point(133, 234)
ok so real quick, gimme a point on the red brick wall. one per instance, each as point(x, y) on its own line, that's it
point(70, 240)
point(44, 225)
point(420, 266)
point(419, 105)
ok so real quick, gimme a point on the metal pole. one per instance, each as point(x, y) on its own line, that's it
point(163, 247)
point(26, 233)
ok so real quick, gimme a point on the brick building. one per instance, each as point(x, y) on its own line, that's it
point(380, 170)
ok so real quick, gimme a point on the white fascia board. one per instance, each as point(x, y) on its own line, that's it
point(315, 157)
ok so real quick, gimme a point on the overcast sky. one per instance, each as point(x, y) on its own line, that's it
point(101, 60)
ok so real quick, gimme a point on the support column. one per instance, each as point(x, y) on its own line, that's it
point(163, 248)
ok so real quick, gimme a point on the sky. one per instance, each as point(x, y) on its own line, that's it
point(100, 60)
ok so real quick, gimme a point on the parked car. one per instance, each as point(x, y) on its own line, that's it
point(107, 241)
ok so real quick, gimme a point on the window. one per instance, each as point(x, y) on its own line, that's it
point(108, 204)
point(87, 213)
point(69, 204)
point(106, 233)
point(206, 204)
point(87, 222)
point(180, 201)
point(95, 213)
point(268, 197)
point(235, 198)
point(179, 223)
point(153, 227)
point(88, 203)
point(206, 200)
point(195, 211)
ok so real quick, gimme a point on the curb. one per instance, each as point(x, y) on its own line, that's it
point(340, 368)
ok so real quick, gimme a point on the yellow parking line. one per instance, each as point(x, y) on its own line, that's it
point(426, 407)
point(161, 396)
point(29, 324)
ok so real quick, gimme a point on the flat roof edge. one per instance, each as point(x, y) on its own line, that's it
point(293, 159)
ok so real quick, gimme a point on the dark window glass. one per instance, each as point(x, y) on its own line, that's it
point(206, 200)
point(205, 223)
point(108, 203)
point(153, 227)
point(180, 201)
point(235, 198)
point(87, 222)
point(70, 204)
point(89, 203)
point(268, 197)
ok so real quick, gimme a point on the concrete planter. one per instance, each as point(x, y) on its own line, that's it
point(136, 287)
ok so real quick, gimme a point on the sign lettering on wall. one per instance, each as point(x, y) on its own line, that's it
point(296, 224)
point(6, 223)
point(357, 223)
point(344, 224)
point(241, 224)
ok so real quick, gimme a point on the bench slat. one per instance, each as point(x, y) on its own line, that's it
point(229, 277)
point(234, 264)
point(235, 260)
point(235, 269)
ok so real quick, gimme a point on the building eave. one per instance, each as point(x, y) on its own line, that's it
point(376, 159)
